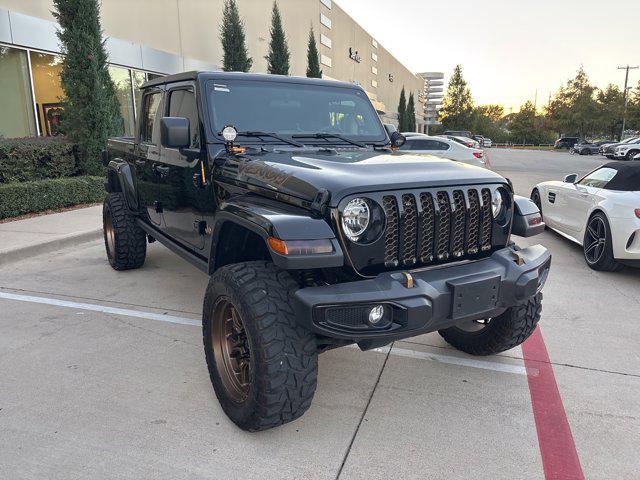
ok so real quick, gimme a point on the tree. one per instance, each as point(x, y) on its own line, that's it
point(411, 114)
point(91, 108)
point(235, 57)
point(457, 105)
point(278, 57)
point(313, 62)
point(526, 126)
point(574, 110)
point(489, 121)
point(610, 108)
point(402, 112)
point(633, 108)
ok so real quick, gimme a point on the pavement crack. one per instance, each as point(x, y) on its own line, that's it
point(364, 412)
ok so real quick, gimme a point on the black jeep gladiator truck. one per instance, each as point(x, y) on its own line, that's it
point(316, 232)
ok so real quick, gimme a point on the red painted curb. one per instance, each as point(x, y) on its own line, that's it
point(557, 448)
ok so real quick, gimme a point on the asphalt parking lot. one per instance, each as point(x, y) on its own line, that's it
point(102, 375)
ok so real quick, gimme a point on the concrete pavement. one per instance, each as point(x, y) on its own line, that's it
point(21, 239)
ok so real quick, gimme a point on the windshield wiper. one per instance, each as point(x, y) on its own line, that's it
point(330, 135)
point(271, 135)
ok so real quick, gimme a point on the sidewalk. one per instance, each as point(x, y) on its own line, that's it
point(24, 238)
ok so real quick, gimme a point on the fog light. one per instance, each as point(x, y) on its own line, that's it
point(376, 314)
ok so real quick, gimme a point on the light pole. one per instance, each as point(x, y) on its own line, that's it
point(625, 95)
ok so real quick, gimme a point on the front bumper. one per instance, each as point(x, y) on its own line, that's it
point(440, 297)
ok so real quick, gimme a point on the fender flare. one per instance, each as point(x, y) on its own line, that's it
point(525, 212)
point(270, 219)
point(121, 178)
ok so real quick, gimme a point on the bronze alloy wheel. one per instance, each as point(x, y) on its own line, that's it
point(109, 233)
point(231, 350)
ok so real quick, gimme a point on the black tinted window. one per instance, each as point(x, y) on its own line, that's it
point(293, 109)
point(424, 144)
point(182, 103)
point(150, 119)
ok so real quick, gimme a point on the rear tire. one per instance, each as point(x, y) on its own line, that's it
point(597, 245)
point(279, 370)
point(535, 198)
point(124, 240)
point(500, 333)
point(631, 154)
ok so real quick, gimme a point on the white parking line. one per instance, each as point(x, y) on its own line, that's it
point(400, 352)
point(101, 308)
point(450, 359)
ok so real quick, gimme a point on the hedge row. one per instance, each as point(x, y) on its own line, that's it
point(38, 196)
point(37, 158)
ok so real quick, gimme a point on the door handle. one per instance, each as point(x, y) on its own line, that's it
point(162, 170)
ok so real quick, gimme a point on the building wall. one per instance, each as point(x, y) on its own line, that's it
point(190, 29)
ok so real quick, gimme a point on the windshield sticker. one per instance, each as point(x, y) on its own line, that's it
point(221, 88)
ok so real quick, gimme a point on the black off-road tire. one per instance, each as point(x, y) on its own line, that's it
point(607, 262)
point(283, 355)
point(124, 240)
point(501, 333)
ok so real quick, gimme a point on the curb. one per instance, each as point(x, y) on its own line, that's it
point(72, 240)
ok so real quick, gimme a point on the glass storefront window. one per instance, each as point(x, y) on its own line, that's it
point(17, 118)
point(122, 81)
point(45, 69)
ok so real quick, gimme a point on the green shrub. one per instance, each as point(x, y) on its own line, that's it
point(36, 158)
point(40, 195)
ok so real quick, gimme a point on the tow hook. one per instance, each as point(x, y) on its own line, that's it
point(519, 259)
point(405, 278)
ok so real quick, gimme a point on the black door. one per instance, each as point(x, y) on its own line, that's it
point(183, 215)
point(149, 179)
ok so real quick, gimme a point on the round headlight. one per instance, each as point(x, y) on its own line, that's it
point(355, 218)
point(496, 203)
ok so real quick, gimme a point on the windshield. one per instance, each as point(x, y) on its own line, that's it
point(294, 109)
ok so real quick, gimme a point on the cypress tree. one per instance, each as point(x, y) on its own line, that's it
point(91, 108)
point(235, 55)
point(411, 114)
point(278, 58)
point(402, 112)
point(313, 62)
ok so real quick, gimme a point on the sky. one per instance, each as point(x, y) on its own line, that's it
point(508, 49)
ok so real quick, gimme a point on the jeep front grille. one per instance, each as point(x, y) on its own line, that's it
point(448, 225)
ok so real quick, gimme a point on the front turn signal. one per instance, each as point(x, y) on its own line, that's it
point(300, 247)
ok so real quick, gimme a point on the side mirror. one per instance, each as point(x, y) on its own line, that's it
point(390, 128)
point(397, 140)
point(570, 178)
point(175, 132)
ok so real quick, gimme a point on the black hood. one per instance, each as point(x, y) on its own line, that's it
point(303, 173)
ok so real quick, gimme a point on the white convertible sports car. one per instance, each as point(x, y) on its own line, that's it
point(600, 211)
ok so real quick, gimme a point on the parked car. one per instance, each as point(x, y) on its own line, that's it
point(584, 147)
point(609, 150)
point(479, 139)
point(598, 211)
point(467, 142)
point(316, 233)
point(565, 142)
point(443, 147)
point(458, 133)
point(627, 151)
point(488, 143)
